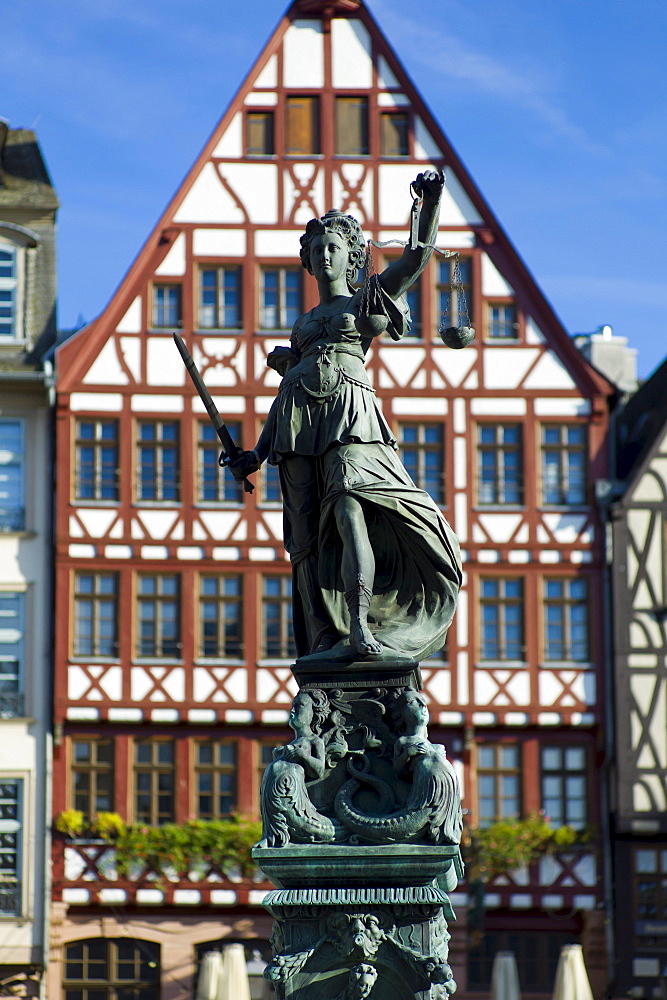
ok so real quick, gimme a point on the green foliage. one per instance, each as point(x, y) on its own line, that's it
point(70, 822)
point(109, 826)
point(224, 845)
point(174, 849)
point(515, 843)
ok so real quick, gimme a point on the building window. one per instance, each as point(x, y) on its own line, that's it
point(277, 631)
point(351, 126)
point(422, 453)
point(564, 786)
point(12, 632)
point(302, 126)
point(650, 884)
point(450, 303)
point(220, 298)
point(566, 620)
point(92, 776)
point(12, 487)
point(564, 462)
point(270, 491)
point(501, 321)
point(96, 614)
point(167, 306)
point(11, 832)
point(216, 769)
point(154, 782)
point(498, 782)
point(260, 133)
point(220, 616)
point(96, 471)
point(159, 619)
point(394, 133)
point(500, 464)
point(158, 460)
point(501, 619)
point(112, 969)
point(216, 484)
point(280, 298)
point(8, 292)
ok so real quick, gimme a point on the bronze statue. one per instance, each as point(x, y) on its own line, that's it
point(375, 565)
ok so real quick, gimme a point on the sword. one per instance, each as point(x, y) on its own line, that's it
point(231, 450)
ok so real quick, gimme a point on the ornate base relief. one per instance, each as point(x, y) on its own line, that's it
point(362, 821)
point(393, 952)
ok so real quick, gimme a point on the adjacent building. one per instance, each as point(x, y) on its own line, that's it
point(28, 206)
point(638, 576)
point(173, 648)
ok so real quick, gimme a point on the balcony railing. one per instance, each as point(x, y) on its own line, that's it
point(85, 872)
point(10, 898)
point(12, 705)
point(568, 879)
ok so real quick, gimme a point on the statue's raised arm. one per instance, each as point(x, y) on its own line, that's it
point(401, 273)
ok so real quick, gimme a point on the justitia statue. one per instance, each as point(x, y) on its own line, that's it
point(361, 813)
point(376, 567)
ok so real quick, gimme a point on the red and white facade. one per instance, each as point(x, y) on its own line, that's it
point(515, 420)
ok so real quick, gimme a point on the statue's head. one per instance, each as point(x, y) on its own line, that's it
point(362, 980)
point(411, 709)
point(349, 229)
point(310, 708)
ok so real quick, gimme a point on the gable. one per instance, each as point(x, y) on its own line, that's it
point(238, 203)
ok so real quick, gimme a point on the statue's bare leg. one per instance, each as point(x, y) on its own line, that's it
point(357, 571)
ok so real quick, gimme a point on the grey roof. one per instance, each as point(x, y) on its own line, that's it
point(24, 179)
point(641, 425)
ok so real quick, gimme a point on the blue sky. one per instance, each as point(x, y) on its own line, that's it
point(558, 109)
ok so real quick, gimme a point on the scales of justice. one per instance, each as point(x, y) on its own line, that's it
point(361, 813)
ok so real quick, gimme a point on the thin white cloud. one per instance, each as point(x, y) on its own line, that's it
point(446, 54)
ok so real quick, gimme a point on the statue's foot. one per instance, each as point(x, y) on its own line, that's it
point(363, 641)
point(326, 643)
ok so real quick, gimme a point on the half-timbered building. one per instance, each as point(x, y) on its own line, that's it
point(174, 640)
point(638, 565)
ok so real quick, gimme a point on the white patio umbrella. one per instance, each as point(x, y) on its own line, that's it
point(505, 977)
point(209, 976)
point(571, 977)
point(233, 983)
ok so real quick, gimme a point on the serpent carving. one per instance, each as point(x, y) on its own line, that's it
point(433, 809)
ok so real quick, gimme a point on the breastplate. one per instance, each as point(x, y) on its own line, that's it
point(321, 373)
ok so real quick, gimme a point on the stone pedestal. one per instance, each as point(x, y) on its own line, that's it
point(365, 914)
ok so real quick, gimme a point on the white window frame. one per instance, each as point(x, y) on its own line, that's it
point(6, 459)
point(17, 826)
point(17, 286)
point(19, 627)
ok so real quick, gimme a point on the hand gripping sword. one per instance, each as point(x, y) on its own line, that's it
point(231, 450)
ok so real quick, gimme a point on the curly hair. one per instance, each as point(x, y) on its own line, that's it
point(350, 230)
point(321, 708)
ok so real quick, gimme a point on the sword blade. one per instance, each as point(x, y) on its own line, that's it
point(231, 448)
